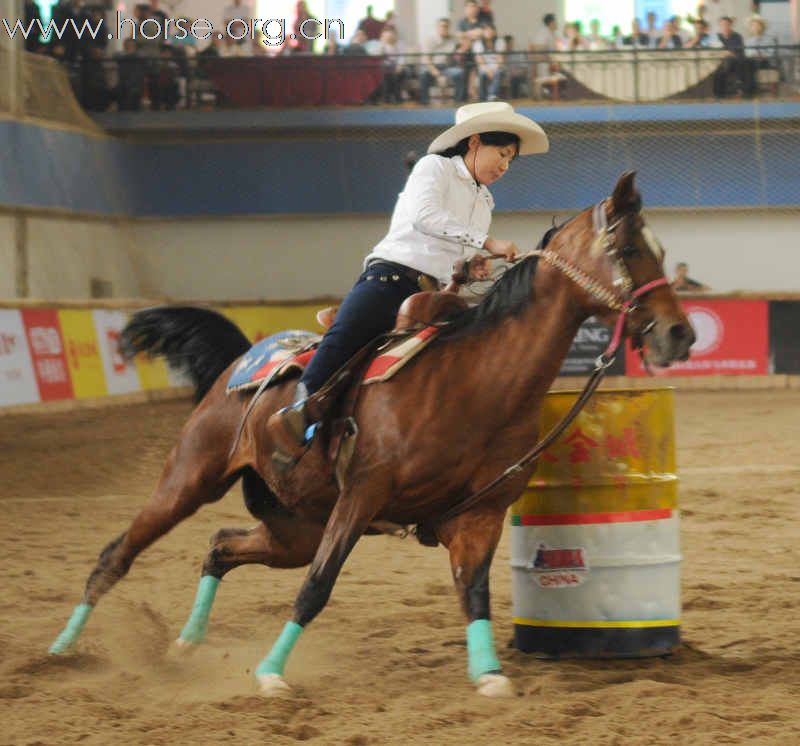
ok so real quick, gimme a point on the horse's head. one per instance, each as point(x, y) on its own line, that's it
point(623, 272)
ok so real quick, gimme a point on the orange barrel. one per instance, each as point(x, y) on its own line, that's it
point(595, 537)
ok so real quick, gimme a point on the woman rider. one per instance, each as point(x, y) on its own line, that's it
point(441, 219)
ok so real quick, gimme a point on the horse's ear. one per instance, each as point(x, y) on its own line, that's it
point(626, 196)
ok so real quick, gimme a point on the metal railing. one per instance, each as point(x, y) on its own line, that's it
point(175, 81)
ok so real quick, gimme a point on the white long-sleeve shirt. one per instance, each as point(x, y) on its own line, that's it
point(441, 216)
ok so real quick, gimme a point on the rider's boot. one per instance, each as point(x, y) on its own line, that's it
point(291, 430)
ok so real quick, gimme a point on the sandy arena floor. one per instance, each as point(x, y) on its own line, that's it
point(385, 662)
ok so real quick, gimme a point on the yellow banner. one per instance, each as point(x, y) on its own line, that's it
point(152, 372)
point(83, 354)
point(258, 323)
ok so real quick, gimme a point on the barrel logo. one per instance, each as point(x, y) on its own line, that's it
point(559, 567)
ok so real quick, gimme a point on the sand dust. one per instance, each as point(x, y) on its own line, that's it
point(385, 662)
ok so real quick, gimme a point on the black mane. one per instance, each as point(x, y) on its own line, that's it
point(509, 296)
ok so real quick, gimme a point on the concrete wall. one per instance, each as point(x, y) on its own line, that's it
point(295, 258)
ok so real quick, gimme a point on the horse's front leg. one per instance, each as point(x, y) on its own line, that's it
point(472, 539)
point(351, 516)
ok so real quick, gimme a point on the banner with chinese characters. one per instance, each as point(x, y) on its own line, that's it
point(17, 379)
point(48, 355)
point(590, 342)
point(732, 339)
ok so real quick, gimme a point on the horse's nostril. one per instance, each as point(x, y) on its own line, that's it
point(678, 332)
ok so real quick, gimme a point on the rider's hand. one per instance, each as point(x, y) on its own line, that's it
point(479, 267)
point(498, 247)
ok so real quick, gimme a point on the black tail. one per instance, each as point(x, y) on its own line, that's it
point(198, 341)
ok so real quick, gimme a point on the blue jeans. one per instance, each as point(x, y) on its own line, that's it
point(368, 310)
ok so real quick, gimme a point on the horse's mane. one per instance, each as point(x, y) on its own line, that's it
point(509, 296)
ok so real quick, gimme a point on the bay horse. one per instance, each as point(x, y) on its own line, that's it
point(442, 428)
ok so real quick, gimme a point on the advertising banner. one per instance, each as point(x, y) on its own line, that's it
point(46, 344)
point(121, 375)
point(260, 322)
point(17, 379)
point(83, 354)
point(784, 321)
point(590, 342)
point(732, 339)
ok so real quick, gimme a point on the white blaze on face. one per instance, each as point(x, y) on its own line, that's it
point(653, 243)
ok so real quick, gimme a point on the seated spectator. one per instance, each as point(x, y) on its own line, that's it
point(164, 87)
point(701, 39)
point(547, 37)
point(652, 30)
point(96, 94)
point(238, 11)
point(682, 283)
point(357, 42)
point(548, 77)
point(32, 14)
point(616, 39)
point(758, 44)
point(470, 23)
point(370, 25)
point(595, 41)
point(638, 38)
point(439, 64)
point(573, 41)
point(131, 73)
point(485, 13)
point(736, 68)
point(298, 42)
point(670, 38)
point(517, 68)
point(394, 66)
point(491, 65)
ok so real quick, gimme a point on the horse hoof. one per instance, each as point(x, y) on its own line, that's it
point(273, 685)
point(495, 685)
point(181, 648)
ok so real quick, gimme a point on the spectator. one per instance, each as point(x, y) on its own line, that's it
point(547, 37)
point(491, 69)
point(95, 91)
point(439, 64)
point(485, 13)
point(157, 14)
point(61, 13)
point(164, 89)
point(470, 23)
point(715, 10)
point(232, 48)
point(237, 10)
point(758, 44)
point(652, 28)
point(298, 43)
point(394, 66)
point(131, 72)
point(616, 37)
point(573, 41)
point(638, 38)
point(736, 67)
point(595, 41)
point(682, 283)
point(357, 42)
point(547, 74)
point(32, 14)
point(677, 24)
point(701, 39)
point(370, 25)
point(670, 39)
point(516, 68)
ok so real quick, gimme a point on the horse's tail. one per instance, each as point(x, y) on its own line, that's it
point(200, 342)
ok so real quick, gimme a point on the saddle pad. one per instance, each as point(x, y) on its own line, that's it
point(388, 362)
point(273, 357)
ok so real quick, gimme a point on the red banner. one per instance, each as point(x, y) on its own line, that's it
point(732, 339)
point(47, 352)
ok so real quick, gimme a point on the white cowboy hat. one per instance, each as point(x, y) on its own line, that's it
point(493, 116)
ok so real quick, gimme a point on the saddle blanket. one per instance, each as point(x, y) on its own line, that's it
point(289, 352)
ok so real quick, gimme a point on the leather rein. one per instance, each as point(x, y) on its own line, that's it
point(625, 305)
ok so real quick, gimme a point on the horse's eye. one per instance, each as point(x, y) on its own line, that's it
point(630, 251)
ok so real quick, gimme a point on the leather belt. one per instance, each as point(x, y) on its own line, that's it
point(423, 281)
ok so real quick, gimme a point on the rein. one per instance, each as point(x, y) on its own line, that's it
point(603, 362)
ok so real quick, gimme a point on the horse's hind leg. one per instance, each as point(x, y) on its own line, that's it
point(471, 539)
point(285, 542)
point(195, 473)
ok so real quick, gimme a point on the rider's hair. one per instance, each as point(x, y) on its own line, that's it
point(500, 139)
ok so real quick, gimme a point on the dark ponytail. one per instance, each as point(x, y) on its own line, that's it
point(500, 139)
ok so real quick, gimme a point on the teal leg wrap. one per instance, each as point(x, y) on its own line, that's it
point(73, 629)
point(197, 624)
point(480, 649)
point(275, 662)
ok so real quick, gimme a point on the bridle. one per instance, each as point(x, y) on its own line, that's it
point(624, 302)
